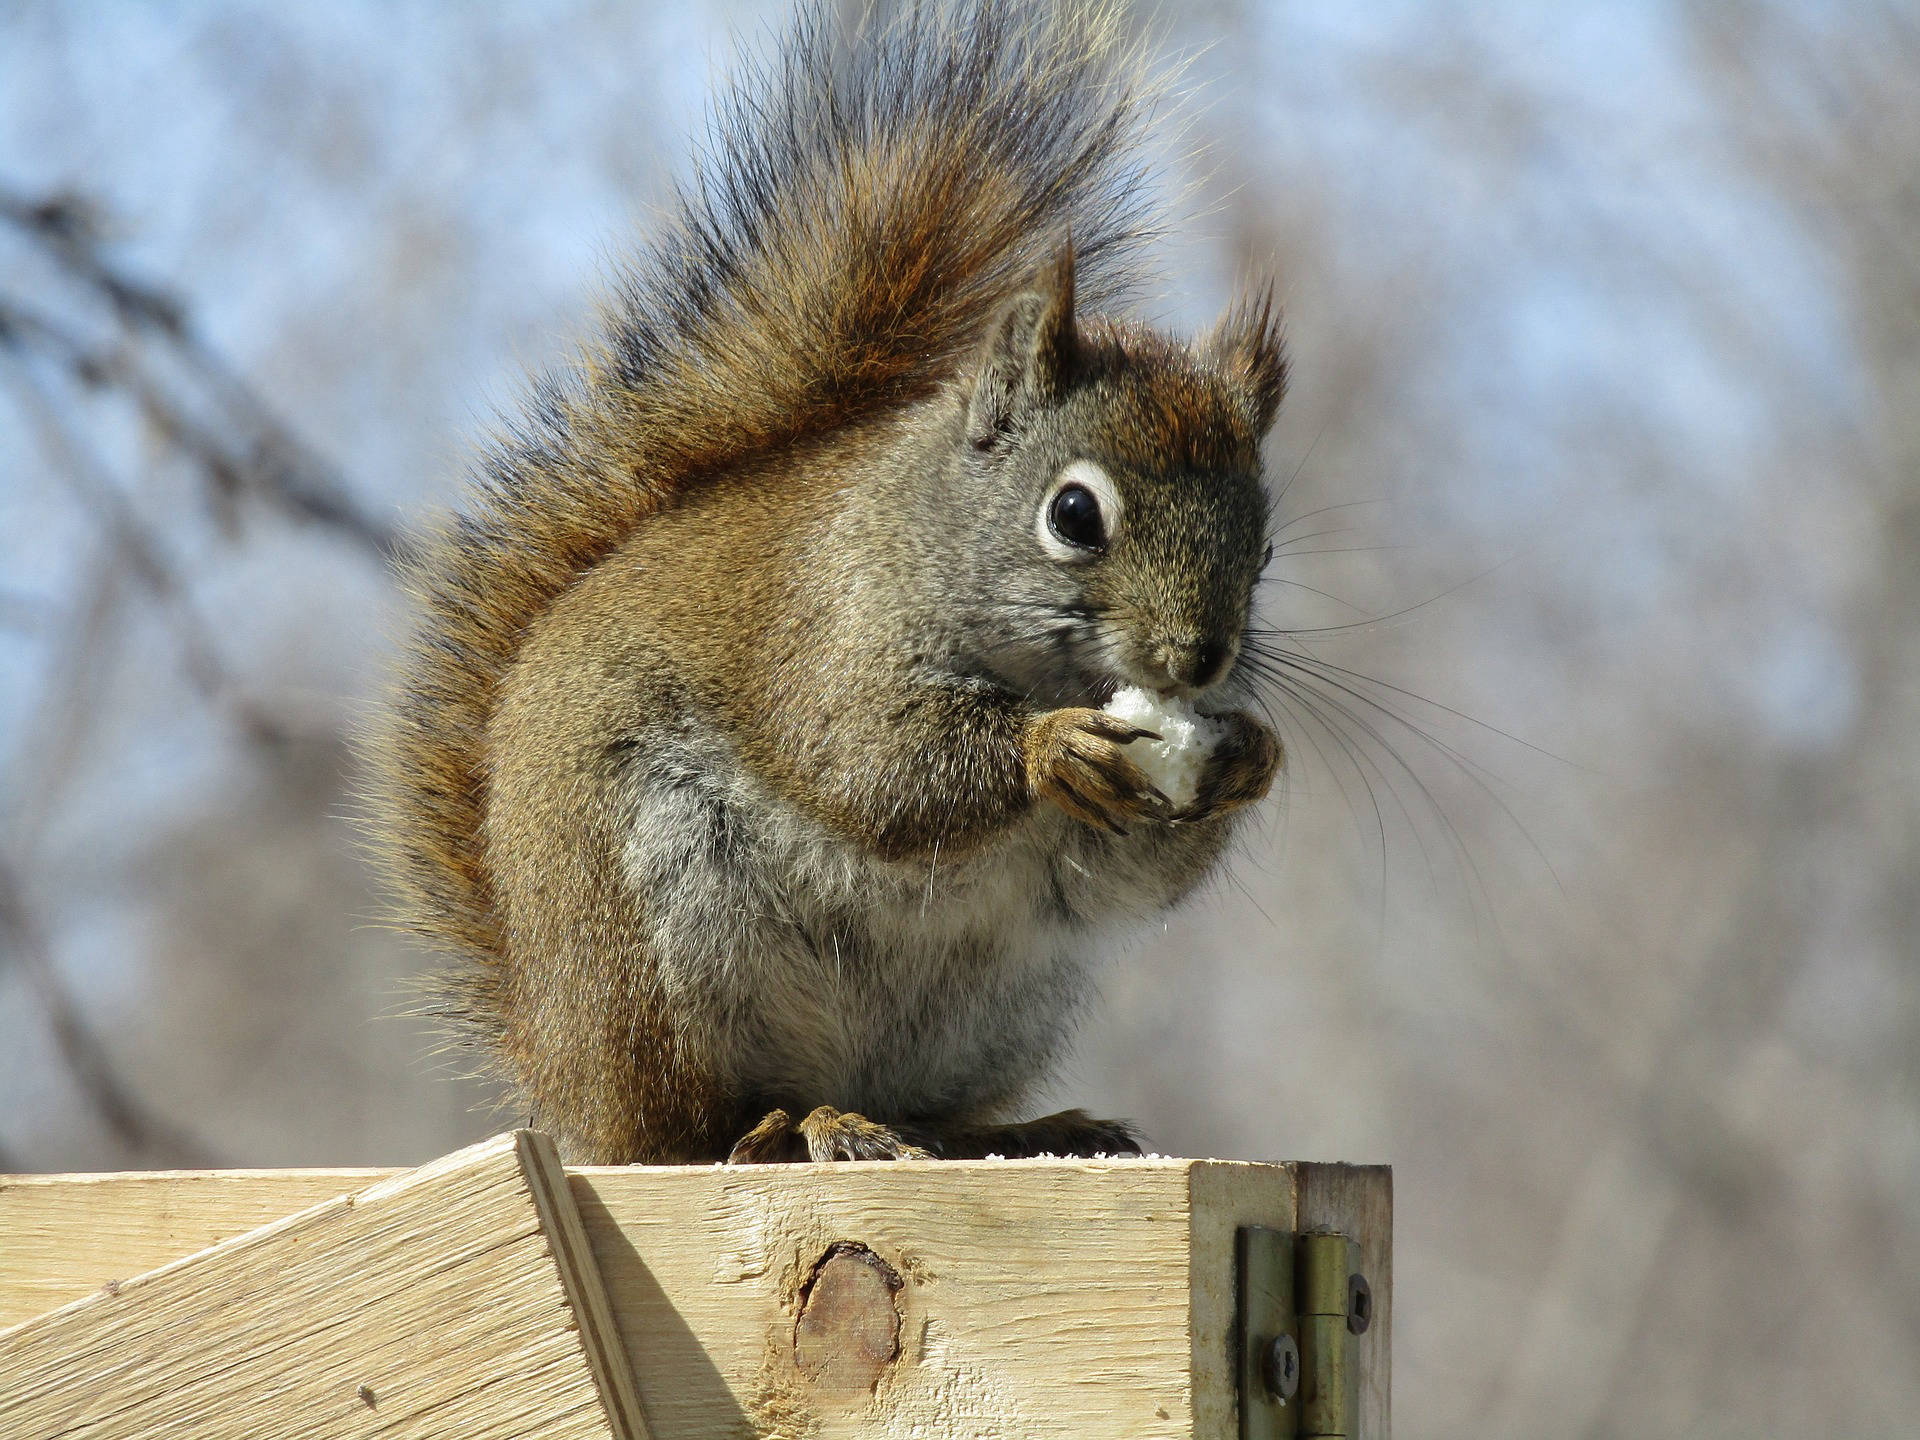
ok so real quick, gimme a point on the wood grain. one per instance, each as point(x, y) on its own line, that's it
point(1357, 1200)
point(1225, 1197)
point(434, 1303)
point(64, 1236)
point(1042, 1298)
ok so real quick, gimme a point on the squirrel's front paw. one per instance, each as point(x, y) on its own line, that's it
point(1239, 771)
point(1077, 759)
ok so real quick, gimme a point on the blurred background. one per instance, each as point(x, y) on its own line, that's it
point(1592, 902)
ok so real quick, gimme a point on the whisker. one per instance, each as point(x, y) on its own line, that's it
point(1482, 779)
point(1324, 422)
point(1265, 703)
point(1323, 510)
point(1339, 549)
point(1349, 752)
point(1307, 656)
point(1433, 806)
point(1281, 547)
point(1398, 614)
point(1324, 594)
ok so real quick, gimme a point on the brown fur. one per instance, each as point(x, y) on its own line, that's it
point(662, 558)
point(892, 251)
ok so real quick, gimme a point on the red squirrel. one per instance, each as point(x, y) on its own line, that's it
point(750, 758)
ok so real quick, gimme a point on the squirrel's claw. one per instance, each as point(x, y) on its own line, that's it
point(1070, 1132)
point(774, 1141)
point(1077, 759)
point(1114, 728)
point(825, 1135)
point(1239, 772)
point(842, 1135)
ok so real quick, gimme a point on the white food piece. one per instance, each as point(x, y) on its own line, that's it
point(1175, 760)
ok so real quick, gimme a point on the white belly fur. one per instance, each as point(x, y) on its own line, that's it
point(896, 989)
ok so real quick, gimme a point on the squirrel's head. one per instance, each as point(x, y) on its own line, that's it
point(1114, 476)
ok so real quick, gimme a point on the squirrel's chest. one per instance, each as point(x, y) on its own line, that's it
point(905, 990)
point(813, 973)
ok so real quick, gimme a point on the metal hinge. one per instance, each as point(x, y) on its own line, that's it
point(1302, 1302)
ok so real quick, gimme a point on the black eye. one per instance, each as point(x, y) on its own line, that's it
point(1074, 516)
point(1266, 559)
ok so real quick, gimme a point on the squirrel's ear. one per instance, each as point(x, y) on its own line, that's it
point(1055, 355)
point(1249, 347)
point(1033, 355)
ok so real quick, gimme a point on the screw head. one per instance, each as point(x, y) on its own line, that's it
point(1359, 1304)
point(1280, 1367)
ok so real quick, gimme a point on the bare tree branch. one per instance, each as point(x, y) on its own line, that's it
point(86, 1057)
point(143, 553)
point(267, 457)
point(59, 732)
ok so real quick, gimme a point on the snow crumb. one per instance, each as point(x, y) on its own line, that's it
point(1175, 760)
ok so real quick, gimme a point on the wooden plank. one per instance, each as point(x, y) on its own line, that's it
point(1036, 1298)
point(449, 1301)
point(1357, 1200)
point(65, 1236)
point(588, 1307)
point(1227, 1196)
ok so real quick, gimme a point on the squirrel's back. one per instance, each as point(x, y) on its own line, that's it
point(863, 210)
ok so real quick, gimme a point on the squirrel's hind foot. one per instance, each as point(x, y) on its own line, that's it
point(826, 1134)
point(1070, 1132)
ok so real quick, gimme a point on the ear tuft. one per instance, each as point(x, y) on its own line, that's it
point(1033, 356)
point(1249, 344)
point(1056, 343)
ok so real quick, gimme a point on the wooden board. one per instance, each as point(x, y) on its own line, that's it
point(455, 1300)
point(1036, 1298)
point(1357, 1200)
point(1039, 1298)
point(63, 1237)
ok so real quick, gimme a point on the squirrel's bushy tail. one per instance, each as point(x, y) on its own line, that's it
point(864, 206)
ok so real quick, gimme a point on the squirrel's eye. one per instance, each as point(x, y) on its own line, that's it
point(1266, 559)
point(1074, 516)
point(1081, 516)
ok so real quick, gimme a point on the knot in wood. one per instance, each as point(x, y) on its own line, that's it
point(849, 1326)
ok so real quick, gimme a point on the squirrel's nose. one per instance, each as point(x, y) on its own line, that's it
point(1209, 664)
point(1193, 665)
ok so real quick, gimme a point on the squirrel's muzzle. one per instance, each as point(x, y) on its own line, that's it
point(1187, 664)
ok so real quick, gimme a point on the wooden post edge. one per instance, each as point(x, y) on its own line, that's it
point(966, 1299)
point(455, 1300)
